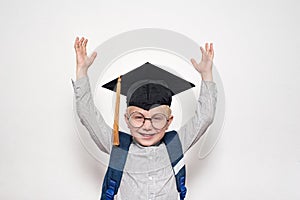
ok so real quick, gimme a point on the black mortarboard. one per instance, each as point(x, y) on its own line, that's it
point(149, 85)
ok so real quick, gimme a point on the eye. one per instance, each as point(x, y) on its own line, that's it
point(137, 116)
point(158, 117)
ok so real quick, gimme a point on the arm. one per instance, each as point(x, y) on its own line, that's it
point(89, 115)
point(191, 132)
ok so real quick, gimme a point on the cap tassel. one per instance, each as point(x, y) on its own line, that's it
point(116, 141)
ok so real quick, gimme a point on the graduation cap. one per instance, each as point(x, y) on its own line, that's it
point(146, 87)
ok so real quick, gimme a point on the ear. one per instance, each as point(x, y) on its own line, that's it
point(170, 121)
point(126, 119)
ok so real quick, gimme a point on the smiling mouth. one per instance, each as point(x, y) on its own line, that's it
point(147, 135)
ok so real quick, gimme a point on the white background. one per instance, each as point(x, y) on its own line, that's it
point(256, 43)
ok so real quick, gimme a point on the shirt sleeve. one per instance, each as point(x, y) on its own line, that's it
point(90, 116)
point(191, 132)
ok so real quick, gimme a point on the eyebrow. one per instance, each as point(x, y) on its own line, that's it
point(164, 110)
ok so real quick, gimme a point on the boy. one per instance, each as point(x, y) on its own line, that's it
point(148, 171)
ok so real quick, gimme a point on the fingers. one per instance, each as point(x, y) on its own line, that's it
point(80, 44)
point(84, 42)
point(194, 62)
point(209, 50)
point(93, 56)
point(202, 50)
point(206, 47)
point(212, 51)
point(76, 42)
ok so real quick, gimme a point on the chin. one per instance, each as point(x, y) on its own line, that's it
point(148, 144)
point(147, 141)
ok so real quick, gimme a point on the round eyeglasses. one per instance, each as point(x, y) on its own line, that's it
point(158, 120)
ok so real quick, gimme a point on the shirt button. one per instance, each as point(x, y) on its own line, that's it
point(150, 178)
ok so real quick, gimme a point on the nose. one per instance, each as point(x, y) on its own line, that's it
point(147, 124)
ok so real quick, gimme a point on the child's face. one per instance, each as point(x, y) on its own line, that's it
point(144, 131)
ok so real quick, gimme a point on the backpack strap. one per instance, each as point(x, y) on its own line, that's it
point(114, 171)
point(175, 152)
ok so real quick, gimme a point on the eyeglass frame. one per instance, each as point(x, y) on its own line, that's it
point(147, 118)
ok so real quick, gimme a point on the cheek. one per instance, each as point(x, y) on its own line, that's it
point(133, 131)
point(160, 135)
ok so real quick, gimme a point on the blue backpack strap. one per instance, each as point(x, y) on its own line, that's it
point(114, 171)
point(175, 152)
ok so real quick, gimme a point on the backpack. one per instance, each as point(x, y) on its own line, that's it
point(118, 158)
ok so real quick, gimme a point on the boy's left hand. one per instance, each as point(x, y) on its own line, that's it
point(205, 66)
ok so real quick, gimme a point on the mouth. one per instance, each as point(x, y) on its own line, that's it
point(148, 136)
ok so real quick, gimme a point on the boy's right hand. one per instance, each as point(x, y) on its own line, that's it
point(83, 62)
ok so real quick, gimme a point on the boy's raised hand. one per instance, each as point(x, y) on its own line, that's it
point(83, 62)
point(205, 66)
